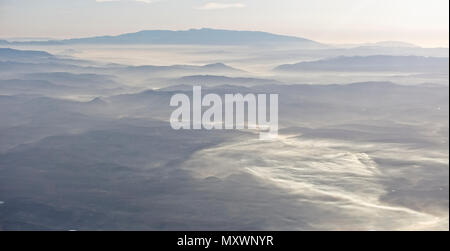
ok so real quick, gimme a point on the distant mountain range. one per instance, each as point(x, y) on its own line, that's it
point(391, 44)
point(205, 36)
point(380, 44)
point(371, 63)
point(35, 61)
point(189, 37)
point(12, 54)
point(212, 80)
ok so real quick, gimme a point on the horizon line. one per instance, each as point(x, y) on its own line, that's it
point(55, 39)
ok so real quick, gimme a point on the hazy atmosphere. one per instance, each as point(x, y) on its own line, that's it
point(424, 23)
point(86, 142)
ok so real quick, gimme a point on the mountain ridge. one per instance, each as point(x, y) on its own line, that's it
point(370, 63)
point(204, 36)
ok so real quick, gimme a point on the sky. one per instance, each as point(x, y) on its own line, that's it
point(424, 23)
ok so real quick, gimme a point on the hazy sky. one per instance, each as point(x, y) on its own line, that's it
point(423, 22)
